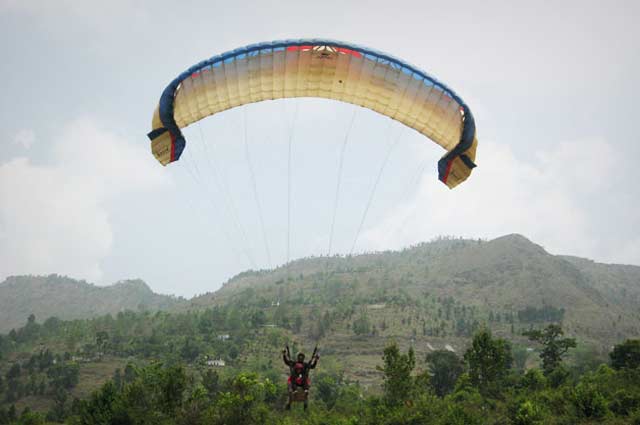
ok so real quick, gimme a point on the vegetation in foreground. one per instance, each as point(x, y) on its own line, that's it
point(481, 387)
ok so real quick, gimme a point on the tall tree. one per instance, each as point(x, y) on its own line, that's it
point(362, 325)
point(397, 369)
point(489, 361)
point(102, 339)
point(328, 388)
point(211, 381)
point(554, 346)
point(626, 355)
point(445, 367)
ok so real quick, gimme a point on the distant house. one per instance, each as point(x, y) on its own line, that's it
point(79, 359)
point(216, 363)
point(224, 337)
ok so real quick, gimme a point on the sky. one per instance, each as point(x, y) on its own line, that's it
point(553, 87)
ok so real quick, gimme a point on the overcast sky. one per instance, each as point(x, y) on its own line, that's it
point(553, 86)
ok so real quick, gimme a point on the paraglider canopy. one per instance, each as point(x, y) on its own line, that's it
point(318, 68)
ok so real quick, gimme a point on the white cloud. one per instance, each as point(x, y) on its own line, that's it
point(25, 138)
point(541, 197)
point(54, 218)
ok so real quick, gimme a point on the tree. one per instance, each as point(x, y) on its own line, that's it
point(100, 407)
point(31, 418)
point(258, 318)
point(11, 413)
point(42, 387)
point(533, 380)
point(211, 381)
point(45, 359)
point(398, 383)
point(626, 355)
point(241, 405)
point(102, 339)
point(489, 361)
point(528, 413)
point(589, 402)
point(155, 395)
point(297, 322)
point(520, 356)
point(13, 392)
point(117, 379)
point(444, 367)
point(4, 342)
point(362, 326)
point(328, 388)
point(14, 372)
point(59, 410)
point(554, 347)
point(129, 373)
point(29, 331)
point(64, 375)
point(190, 350)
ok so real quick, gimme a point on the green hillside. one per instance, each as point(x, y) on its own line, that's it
point(432, 298)
point(508, 280)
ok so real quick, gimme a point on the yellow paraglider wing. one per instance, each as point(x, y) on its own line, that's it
point(318, 68)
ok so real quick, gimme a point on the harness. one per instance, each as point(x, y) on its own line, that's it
point(298, 373)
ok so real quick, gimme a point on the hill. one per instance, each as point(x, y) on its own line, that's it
point(66, 298)
point(433, 296)
point(509, 283)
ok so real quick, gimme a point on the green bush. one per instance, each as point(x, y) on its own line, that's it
point(534, 380)
point(528, 413)
point(624, 402)
point(589, 402)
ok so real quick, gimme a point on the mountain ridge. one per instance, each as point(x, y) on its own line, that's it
point(502, 276)
point(507, 274)
point(66, 298)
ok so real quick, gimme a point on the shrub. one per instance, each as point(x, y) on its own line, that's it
point(589, 402)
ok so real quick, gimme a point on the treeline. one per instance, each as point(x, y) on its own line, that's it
point(42, 374)
point(344, 295)
point(546, 313)
point(219, 332)
point(43, 361)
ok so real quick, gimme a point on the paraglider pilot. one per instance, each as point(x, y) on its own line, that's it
point(299, 373)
